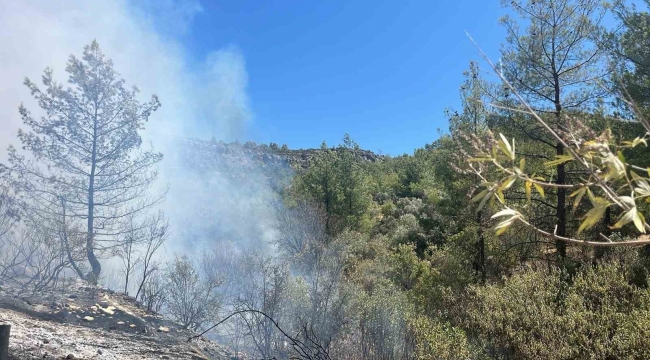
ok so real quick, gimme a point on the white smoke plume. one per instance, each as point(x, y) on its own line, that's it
point(141, 37)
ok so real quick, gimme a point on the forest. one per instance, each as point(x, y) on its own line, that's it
point(520, 233)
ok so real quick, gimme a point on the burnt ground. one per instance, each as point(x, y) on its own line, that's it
point(85, 322)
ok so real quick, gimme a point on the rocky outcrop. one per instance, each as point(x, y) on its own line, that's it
point(216, 154)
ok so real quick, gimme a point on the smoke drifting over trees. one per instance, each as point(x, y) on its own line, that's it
point(536, 199)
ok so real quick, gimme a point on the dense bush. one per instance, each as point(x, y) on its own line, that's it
point(543, 315)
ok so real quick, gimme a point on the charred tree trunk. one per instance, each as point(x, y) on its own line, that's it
point(561, 206)
point(90, 243)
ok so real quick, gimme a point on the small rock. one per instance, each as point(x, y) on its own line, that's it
point(99, 351)
point(88, 318)
point(70, 356)
point(163, 329)
point(108, 311)
point(46, 341)
point(132, 325)
point(120, 323)
point(72, 296)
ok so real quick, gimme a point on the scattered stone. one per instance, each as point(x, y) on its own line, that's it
point(99, 351)
point(163, 329)
point(70, 356)
point(88, 318)
point(120, 323)
point(132, 325)
point(46, 341)
point(72, 296)
point(108, 310)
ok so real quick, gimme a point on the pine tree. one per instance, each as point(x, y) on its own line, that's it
point(87, 165)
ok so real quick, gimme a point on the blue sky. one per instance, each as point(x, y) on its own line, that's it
point(382, 71)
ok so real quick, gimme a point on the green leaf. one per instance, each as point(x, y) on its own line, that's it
point(500, 196)
point(539, 189)
point(578, 194)
point(522, 164)
point(507, 183)
point(626, 218)
point(505, 212)
point(505, 224)
point(503, 227)
point(594, 215)
point(482, 203)
point(620, 156)
point(642, 188)
point(480, 195)
point(505, 147)
point(639, 222)
point(627, 200)
point(559, 159)
point(528, 186)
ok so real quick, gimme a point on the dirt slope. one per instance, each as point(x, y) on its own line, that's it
point(90, 323)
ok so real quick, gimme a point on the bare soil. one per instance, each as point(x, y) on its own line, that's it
point(85, 322)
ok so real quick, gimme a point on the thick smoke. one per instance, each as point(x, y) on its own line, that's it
point(200, 99)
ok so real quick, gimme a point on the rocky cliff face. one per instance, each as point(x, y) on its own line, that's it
point(216, 154)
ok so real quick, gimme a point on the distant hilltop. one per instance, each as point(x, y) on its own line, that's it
point(211, 154)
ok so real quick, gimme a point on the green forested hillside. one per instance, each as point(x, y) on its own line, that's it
point(421, 248)
point(520, 233)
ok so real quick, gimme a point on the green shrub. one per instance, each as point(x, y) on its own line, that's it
point(439, 341)
point(537, 315)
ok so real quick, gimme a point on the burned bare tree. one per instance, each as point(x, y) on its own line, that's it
point(138, 246)
point(154, 238)
point(309, 349)
point(264, 287)
point(153, 292)
point(8, 212)
point(191, 300)
point(86, 152)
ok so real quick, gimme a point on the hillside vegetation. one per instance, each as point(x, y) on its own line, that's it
point(520, 233)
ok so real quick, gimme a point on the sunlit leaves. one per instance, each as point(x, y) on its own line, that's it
point(505, 224)
point(483, 197)
point(615, 167)
point(539, 189)
point(632, 215)
point(627, 217)
point(578, 194)
point(507, 183)
point(559, 159)
point(605, 173)
point(639, 222)
point(594, 215)
point(507, 149)
point(641, 186)
point(634, 143)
